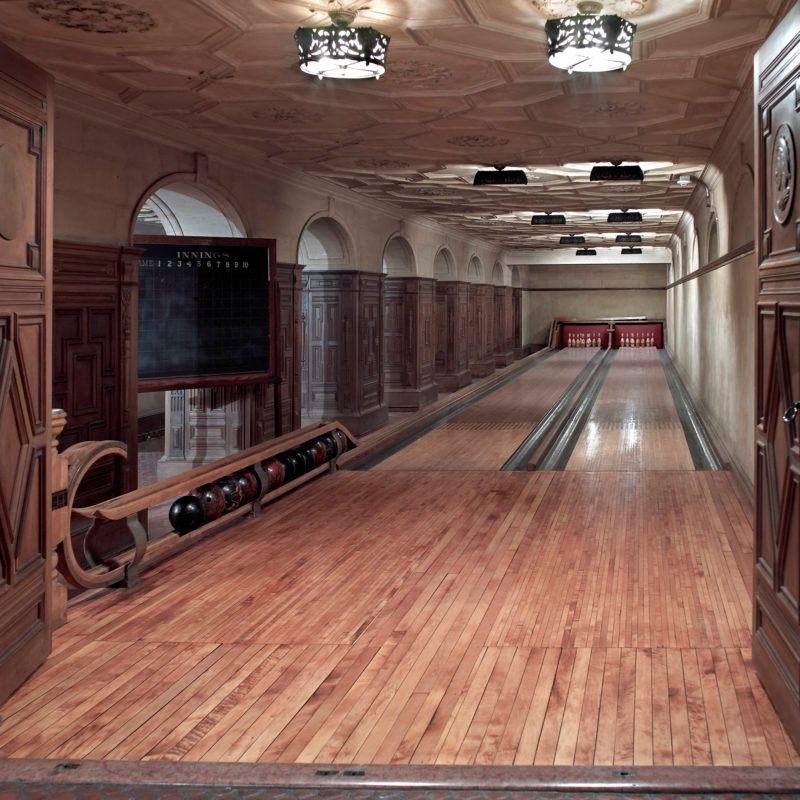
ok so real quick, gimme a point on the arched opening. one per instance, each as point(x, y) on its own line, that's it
point(182, 428)
point(498, 278)
point(475, 270)
point(324, 246)
point(398, 258)
point(713, 239)
point(444, 268)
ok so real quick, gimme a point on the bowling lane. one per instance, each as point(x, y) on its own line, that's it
point(634, 425)
point(486, 433)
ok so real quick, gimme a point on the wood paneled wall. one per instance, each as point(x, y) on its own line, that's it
point(516, 314)
point(343, 358)
point(503, 326)
point(409, 342)
point(95, 321)
point(481, 329)
point(452, 342)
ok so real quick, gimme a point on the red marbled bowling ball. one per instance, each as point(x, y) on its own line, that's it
point(211, 499)
point(320, 452)
point(186, 514)
point(249, 484)
point(276, 473)
point(231, 491)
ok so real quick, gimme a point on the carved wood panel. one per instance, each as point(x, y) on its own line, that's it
point(25, 368)
point(452, 338)
point(776, 638)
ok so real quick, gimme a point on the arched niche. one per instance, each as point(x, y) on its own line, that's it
point(184, 208)
point(516, 278)
point(498, 278)
point(713, 239)
point(398, 258)
point(325, 245)
point(444, 265)
point(475, 270)
point(742, 217)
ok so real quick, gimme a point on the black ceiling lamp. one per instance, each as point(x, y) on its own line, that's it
point(629, 238)
point(500, 176)
point(631, 251)
point(586, 252)
point(339, 50)
point(616, 171)
point(548, 219)
point(572, 239)
point(625, 216)
point(590, 41)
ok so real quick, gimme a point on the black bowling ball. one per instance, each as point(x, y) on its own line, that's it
point(306, 462)
point(186, 514)
point(292, 465)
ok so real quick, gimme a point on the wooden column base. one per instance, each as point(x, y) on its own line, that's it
point(519, 352)
point(411, 399)
point(482, 368)
point(503, 359)
point(367, 420)
point(453, 381)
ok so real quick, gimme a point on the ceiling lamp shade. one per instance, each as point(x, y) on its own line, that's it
point(625, 216)
point(590, 41)
point(629, 238)
point(500, 176)
point(341, 51)
point(572, 239)
point(631, 251)
point(616, 172)
point(548, 219)
point(586, 252)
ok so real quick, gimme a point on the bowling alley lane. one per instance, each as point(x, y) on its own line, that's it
point(487, 432)
point(633, 425)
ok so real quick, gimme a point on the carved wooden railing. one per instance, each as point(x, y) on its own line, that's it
point(315, 449)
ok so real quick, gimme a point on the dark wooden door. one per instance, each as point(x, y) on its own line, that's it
point(25, 366)
point(776, 637)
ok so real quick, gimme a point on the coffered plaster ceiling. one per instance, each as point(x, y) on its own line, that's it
point(467, 86)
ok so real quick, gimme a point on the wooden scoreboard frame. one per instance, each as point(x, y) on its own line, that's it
point(273, 374)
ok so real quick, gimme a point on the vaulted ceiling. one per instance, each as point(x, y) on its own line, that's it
point(467, 85)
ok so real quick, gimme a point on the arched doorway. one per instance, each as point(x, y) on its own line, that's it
point(183, 428)
point(324, 246)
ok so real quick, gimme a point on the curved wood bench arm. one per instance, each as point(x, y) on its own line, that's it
point(80, 459)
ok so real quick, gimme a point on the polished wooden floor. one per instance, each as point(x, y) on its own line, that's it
point(485, 435)
point(440, 616)
point(428, 618)
point(633, 424)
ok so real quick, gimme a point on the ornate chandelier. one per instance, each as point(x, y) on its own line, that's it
point(339, 50)
point(590, 41)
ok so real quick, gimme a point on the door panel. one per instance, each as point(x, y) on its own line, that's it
point(776, 636)
point(25, 397)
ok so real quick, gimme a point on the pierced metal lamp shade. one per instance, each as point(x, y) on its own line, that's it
point(590, 42)
point(334, 51)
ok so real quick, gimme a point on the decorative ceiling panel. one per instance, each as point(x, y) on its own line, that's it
point(467, 86)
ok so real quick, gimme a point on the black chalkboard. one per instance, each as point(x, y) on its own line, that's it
point(206, 310)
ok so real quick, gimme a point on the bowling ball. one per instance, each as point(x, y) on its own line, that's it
point(311, 457)
point(276, 473)
point(292, 465)
point(211, 499)
point(231, 491)
point(186, 514)
point(306, 461)
point(320, 452)
point(330, 446)
point(341, 441)
point(249, 484)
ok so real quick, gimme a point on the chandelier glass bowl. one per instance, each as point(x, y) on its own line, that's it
point(590, 41)
point(339, 50)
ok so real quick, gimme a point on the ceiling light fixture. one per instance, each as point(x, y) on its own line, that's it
point(500, 176)
point(548, 219)
point(586, 252)
point(687, 180)
point(572, 239)
point(590, 41)
point(625, 216)
point(339, 50)
point(631, 251)
point(616, 172)
point(629, 238)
